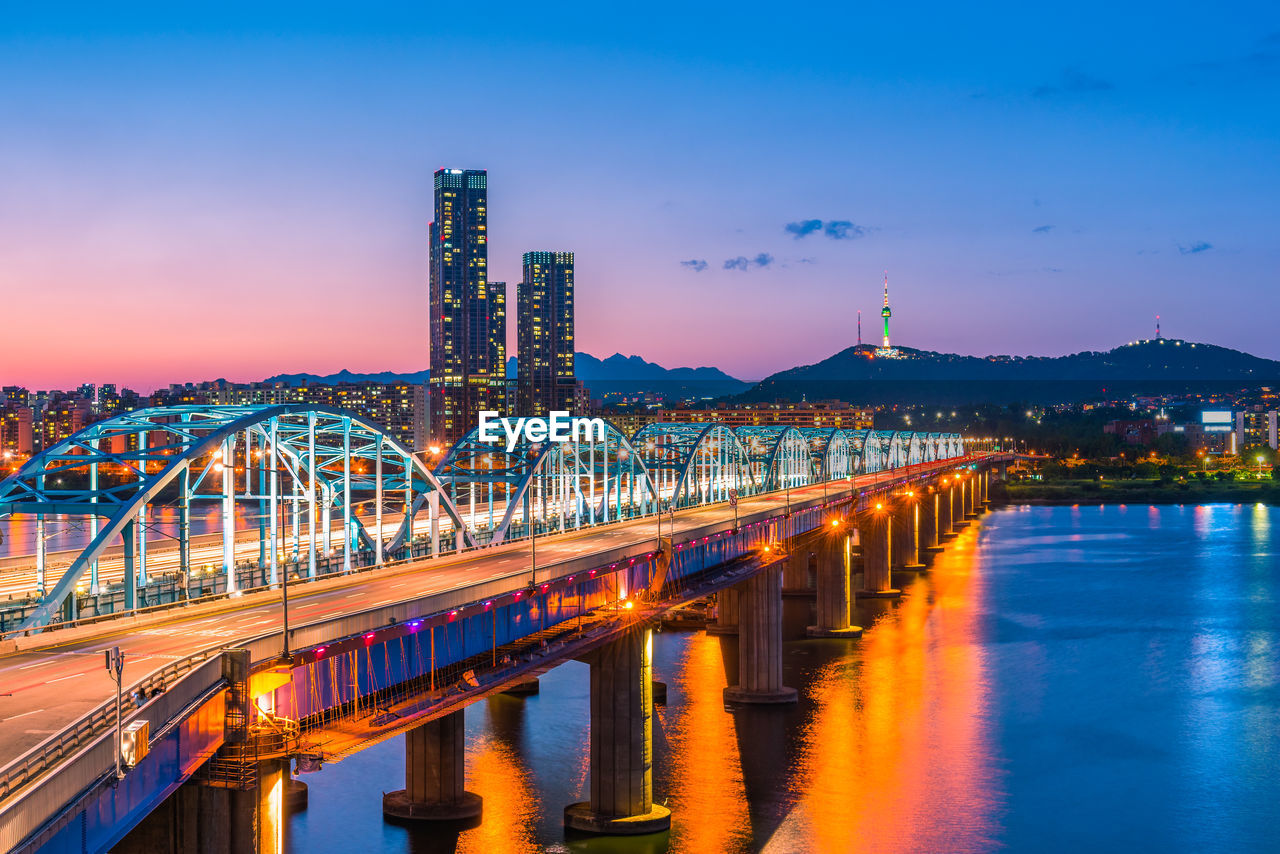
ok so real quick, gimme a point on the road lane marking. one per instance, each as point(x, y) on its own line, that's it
point(63, 678)
point(37, 664)
point(23, 715)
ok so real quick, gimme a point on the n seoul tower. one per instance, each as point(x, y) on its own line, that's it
point(885, 312)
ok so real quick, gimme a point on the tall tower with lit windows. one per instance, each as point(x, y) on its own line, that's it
point(467, 311)
point(544, 331)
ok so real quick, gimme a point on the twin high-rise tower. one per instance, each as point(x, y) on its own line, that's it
point(545, 334)
point(468, 312)
point(468, 318)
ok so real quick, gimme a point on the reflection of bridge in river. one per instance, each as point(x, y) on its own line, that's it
point(405, 647)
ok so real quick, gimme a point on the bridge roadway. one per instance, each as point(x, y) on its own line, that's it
point(44, 689)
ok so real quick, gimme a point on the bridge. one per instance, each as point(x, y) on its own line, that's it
point(440, 585)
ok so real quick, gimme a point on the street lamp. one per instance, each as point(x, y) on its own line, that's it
point(534, 450)
point(115, 669)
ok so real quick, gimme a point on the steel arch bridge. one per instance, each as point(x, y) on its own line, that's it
point(308, 460)
point(296, 470)
point(546, 487)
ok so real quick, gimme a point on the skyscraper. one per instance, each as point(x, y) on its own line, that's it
point(468, 312)
point(545, 333)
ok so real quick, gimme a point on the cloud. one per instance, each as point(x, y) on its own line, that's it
point(1073, 82)
point(842, 229)
point(1195, 248)
point(697, 265)
point(1042, 229)
point(803, 228)
point(835, 229)
point(742, 262)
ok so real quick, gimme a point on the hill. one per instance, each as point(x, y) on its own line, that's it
point(1162, 365)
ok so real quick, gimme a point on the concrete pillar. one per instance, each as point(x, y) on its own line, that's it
point(985, 495)
point(928, 538)
point(875, 530)
point(970, 496)
point(621, 778)
point(944, 511)
point(796, 570)
point(835, 593)
point(273, 812)
point(200, 818)
point(906, 533)
point(760, 641)
point(434, 775)
point(726, 613)
point(957, 506)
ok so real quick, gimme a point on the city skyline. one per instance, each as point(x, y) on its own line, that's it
point(1092, 178)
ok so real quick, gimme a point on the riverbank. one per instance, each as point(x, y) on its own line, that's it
point(1137, 492)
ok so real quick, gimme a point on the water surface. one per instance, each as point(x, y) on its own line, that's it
point(1064, 679)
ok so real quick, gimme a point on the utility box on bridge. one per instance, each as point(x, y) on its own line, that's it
point(135, 740)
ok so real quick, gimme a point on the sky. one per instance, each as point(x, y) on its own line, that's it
point(193, 191)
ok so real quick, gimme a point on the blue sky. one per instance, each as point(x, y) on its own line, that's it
point(1035, 180)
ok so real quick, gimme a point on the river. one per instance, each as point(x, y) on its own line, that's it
point(1064, 679)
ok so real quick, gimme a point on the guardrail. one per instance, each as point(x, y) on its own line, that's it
point(59, 746)
point(84, 753)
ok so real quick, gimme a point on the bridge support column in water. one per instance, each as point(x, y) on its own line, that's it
point(799, 568)
point(835, 593)
point(621, 777)
point(726, 613)
point(957, 505)
point(875, 531)
point(434, 775)
point(906, 533)
point(760, 641)
point(226, 818)
point(929, 502)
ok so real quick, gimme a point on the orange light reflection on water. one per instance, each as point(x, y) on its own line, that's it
point(496, 773)
point(707, 798)
point(897, 756)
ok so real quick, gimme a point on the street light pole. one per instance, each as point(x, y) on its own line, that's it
point(115, 668)
point(285, 656)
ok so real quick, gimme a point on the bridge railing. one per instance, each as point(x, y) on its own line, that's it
point(83, 753)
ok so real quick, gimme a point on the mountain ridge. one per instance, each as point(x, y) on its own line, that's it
point(613, 374)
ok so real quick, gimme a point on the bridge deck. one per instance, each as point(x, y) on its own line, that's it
point(44, 689)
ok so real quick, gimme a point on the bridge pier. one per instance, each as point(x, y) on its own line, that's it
point(875, 531)
point(434, 775)
point(835, 594)
point(621, 778)
point(799, 567)
point(969, 493)
point(945, 528)
point(760, 641)
point(957, 506)
point(726, 613)
point(202, 818)
point(906, 534)
point(928, 537)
